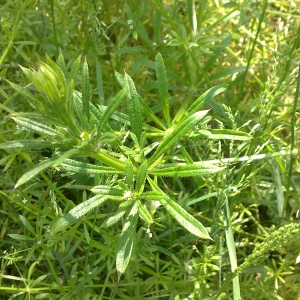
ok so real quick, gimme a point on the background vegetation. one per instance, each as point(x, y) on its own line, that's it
point(250, 50)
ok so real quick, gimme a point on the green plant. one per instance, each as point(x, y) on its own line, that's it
point(74, 127)
point(250, 46)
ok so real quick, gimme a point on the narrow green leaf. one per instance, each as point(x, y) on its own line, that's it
point(78, 109)
point(208, 95)
point(28, 144)
point(114, 103)
point(22, 90)
point(85, 168)
point(150, 114)
point(181, 113)
point(38, 280)
point(141, 177)
point(100, 83)
point(124, 119)
point(133, 106)
point(77, 212)
point(230, 242)
point(21, 237)
point(180, 215)
point(85, 82)
point(27, 225)
point(61, 63)
point(93, 110)
point(144, 213)
point(106, 190)
point(126, 240)
point(120, 78)
point(86, 233)
point(75, 68)
point(54, 161)
point(279, 190)
point(174, 134)
point(115, 217)
point(217, 134)
point(226, 72)
point(36, 126)
point(163, 87)
point(129, 174)
point(186, 170)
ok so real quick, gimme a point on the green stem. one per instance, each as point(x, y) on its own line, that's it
point(111, 161)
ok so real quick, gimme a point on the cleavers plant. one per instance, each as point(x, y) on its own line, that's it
point(135, 151)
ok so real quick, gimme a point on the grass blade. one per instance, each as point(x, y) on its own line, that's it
point(231, 248)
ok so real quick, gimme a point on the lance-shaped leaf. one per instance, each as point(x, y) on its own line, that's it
point(27, 225)
point(129, 174)
point(208, 95)
point(107, 190)
point(180, 215)
point(86, 168)
point(54, 161)
point(186, 170)
point(145, 108)
point(150, 114)
point(28, 144)
point(126, 240)
point(174, 134)
point(141, 176)
point(36, 126)
point(74, 68)
point(85, 83)
point(114, 103)
point(163, 87)
point(133, 106)
point(144, 213)
point(77, 212)
point(115, 217)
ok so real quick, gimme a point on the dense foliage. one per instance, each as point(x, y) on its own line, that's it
point(149, 149)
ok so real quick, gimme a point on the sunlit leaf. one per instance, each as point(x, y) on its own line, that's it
point(174, 134)
point(181, 215)
point(186, 170)
point(163, 87)
point(77, 212)
point(54, 161)
point(126, 240)
point(133, 107)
